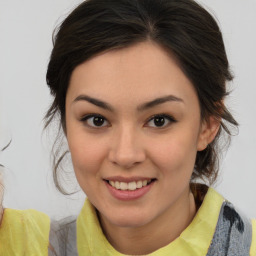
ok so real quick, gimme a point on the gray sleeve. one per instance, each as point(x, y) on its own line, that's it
point(63, 238)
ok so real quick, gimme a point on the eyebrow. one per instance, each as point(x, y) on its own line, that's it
point(140, 108)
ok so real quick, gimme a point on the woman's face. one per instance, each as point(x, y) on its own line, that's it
point(133, 120)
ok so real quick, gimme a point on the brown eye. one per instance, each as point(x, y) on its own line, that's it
point(161, 121)
point(95, 121)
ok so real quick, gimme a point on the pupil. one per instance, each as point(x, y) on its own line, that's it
point(159, 121)
point(98, 121)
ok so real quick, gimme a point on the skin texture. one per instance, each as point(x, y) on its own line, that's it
point(130, 144)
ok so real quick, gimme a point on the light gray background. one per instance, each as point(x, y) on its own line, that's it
point(25, 45)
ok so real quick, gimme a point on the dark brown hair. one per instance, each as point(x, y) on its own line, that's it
point(182, 27)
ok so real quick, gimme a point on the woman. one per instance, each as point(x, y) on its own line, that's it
point(139, 88)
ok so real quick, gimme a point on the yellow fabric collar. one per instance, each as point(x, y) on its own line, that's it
point(194, 240)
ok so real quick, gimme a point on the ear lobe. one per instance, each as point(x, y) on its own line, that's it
point(208, 131)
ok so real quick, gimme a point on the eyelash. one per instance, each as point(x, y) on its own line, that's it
point(170, 119)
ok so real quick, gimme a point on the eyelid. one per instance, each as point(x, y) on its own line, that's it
point(88, 116)
point(170, 118)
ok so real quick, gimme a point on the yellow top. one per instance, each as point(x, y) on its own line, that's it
point(194, 240)
point(24, 233)
point(253, 246)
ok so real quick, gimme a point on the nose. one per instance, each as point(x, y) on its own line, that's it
point(126, 148)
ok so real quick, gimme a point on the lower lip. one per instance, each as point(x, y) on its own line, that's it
point(127, 195)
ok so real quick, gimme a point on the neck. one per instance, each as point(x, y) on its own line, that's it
point(156, 234)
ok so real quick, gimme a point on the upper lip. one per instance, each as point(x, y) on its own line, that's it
point(127, 179)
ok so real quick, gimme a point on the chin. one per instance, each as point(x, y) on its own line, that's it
point(129, 219)
point(129, 223)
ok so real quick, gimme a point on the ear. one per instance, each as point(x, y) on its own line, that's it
point(208, 131)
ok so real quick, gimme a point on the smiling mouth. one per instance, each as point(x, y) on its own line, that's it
point(133, 185)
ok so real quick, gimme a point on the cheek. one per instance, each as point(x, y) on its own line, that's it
point(176, 154)
point(87, 155)
point(87, 160)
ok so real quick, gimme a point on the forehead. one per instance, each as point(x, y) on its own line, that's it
point(137, 73)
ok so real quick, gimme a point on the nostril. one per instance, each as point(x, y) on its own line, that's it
point(126, 156)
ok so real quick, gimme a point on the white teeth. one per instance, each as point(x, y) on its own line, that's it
point(139, 184)
point(117, 185)
point(123, 185)
point(130, 185)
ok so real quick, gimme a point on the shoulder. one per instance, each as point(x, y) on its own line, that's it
point(24, 230)
point(63, 237)
point(29, 219)
point(234, 233)
point(253, 246)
